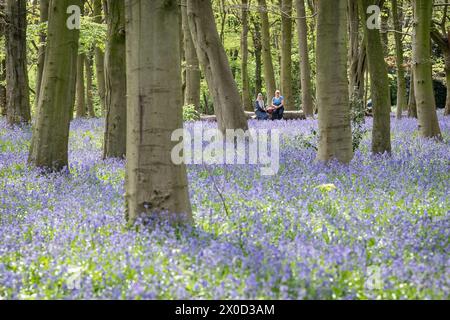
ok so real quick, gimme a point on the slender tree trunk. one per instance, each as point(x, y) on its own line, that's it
point(89, 88)
point(412, 107)
point(43, 18)
point(214, 61)
point(99, 58)
point(2, 63)
point(286, 54)
point(18, 99)
point(193, 74)
point(379, 83)
point(401, 81)
point(332, 82)
point(269, 74)
point(116, 82)
point(447, 76)
point(423, 83)
point(257, 45)
point(357, 53)
point(49, 146)
point(305, 69)
point(155, 186)
point(246, 100)
point(81, 90)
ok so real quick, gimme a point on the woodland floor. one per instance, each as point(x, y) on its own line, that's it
point(382, 232)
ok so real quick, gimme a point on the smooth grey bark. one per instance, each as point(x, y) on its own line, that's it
point(379, 84)
point(155, 186)
point(335, 135)
point(214, 62)
point(286, 54)
point(269, 74)
point(401, 81)
point(193, 74)
point(17, 90)
point(305, 69)
point(422, 66)
point(99, 57)
point(49, 145)
point(116, 83)
point(43, 18)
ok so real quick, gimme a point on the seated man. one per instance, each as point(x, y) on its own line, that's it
point(260, 108)
point(277, 108)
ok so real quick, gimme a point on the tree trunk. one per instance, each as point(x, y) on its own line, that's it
point(332, 83)
point(51, 130)
point(81, 91)
point(43, 18)
point(305, 70)
point(116, 82)
point(286, 54)
point(357, 53)
point(99, 58)
point(412, 107)
point(18, 99)
point(269, 74)
point(2, 64)
point(379, 83)
point(447, 77)
point(423, 83)
point(214, 61)
point(257, 45)
point(89, 90)
point(401, 81)
point(246, 100)
point(155, 186)
point(193, 74)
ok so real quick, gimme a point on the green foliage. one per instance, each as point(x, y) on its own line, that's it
point(189, 113)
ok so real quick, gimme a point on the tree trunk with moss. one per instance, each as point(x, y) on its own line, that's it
point(335, 133)
point(286, 54)
point(116, 83)
point(269, 74)
point(155, 186)
point(17, 90)
point(49, 146)
point(305, 69)
point(422, 66)
point(379, 83)
point(214, 61)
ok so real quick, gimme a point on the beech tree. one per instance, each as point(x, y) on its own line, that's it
point(43, 18)
point(401, 81)
point(246, 100)
point(49, 145)
point(154, 184)
point(2, 63)
point(17, 94)
point(99, 56)
point(335, 135)
point(379, 84)
point(214, 61)
point(116, 82)
point(422, 66)
point(286, 54)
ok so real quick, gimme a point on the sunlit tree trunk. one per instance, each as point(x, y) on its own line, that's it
point(193, 74)
point(332, 83)
point(154, 184)
point(116, 83)
point(379, 84)
point(286, 54)
point(99, 58)
point(422, 64)
point(17, 90)
point(80, 89)
point(41, 53)
point(246, 100)
point(51, 130)
point(305, 69)
point(401, 81)
point(214, 61)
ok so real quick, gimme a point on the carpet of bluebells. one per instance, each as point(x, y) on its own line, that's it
point(376, 229)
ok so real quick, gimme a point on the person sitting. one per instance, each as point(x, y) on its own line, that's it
point(277, 108)
point(260, 108)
